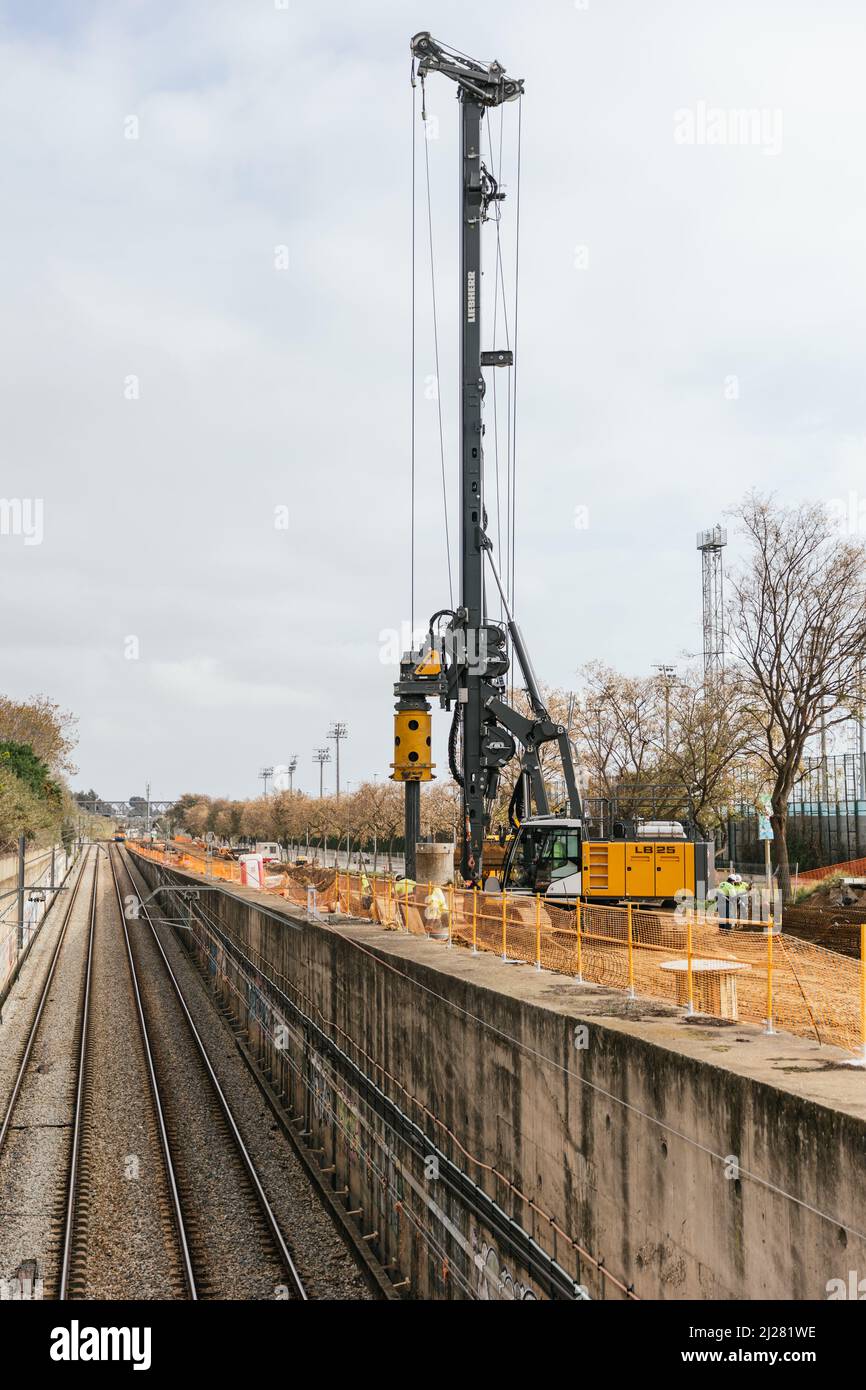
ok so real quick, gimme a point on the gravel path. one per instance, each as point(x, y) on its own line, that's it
point(327, 1266)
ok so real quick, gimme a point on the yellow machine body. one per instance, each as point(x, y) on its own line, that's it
point(412, 750)
point(637, 868)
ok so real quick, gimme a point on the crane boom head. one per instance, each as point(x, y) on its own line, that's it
point(486, 83)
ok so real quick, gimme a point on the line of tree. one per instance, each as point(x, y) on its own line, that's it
point(37, 738)
point(369, 819)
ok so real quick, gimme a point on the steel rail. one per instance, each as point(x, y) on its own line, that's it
point(168, 1162)
point(246, 1159)
point(78, 1113)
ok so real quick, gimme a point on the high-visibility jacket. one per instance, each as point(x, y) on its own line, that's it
point(435, 904)
point(406, 886)
point(365, 883)
point(727, 889)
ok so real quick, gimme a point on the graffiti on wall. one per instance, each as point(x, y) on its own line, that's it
point(493, 1279)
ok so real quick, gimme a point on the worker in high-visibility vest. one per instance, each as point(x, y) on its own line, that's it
point(726, 900)
point(436, 913)
point(366, 891)
point(403, 890)
point(742, 899)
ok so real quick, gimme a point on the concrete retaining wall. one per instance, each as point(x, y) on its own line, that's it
point(505, 1132)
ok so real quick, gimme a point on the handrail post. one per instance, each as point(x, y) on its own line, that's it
point(630, 954)
point(538, 931)
point(769, 1030)
point(475, 921)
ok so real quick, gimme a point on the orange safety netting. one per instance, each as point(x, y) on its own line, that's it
point(745, 972)
point(852, 868)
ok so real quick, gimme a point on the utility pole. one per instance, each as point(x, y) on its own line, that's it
point(667, 674)
point(322, 756)
point(337, 731)
point(265, 774)
point(291, 767)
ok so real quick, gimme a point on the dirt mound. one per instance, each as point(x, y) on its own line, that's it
point(834, 893)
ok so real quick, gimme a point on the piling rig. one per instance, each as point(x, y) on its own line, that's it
point(467, 654)
point(465, 663)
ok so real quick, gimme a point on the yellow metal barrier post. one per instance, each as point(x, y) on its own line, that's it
point(475, 921)
point(863, 992)
point(630, 955)
point(769, 1020)
point(579, 935)
point(538, 931)
point(691, 1004)
point(504, 925)
point(450, 914)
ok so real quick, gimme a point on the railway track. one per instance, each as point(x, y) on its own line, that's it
point(235, 1244)
point(124, 1232)
point(36, 1130)
point(133, 1164)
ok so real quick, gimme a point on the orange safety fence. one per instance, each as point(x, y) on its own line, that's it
point(744, 971)
point(852, 868)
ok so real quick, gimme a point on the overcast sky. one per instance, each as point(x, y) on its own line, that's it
point(691, 324)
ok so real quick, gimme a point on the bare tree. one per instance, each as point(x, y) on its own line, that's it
point(618, 724)
point(710, 736)
point(797, 618)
